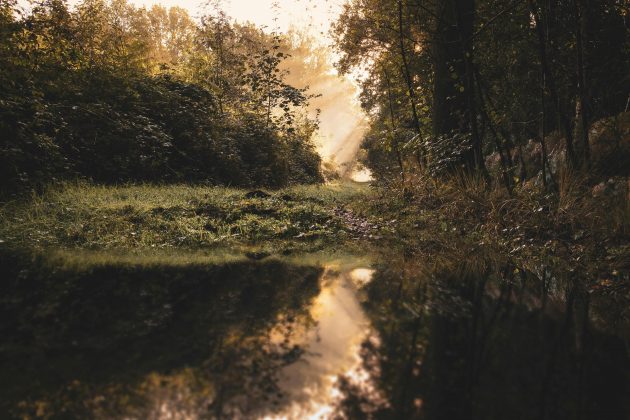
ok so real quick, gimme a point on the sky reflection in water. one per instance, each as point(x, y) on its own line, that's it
point(332, 347)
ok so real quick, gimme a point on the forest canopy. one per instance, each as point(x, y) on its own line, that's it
point(507, 88)
point(115, 93)
point(510, 91)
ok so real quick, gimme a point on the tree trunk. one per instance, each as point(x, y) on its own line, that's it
point(268, 109)
point(447, 100)
point(504, 156)
point(581, 79)
point(465, 14)
point(407, 73)
point(395, 144)
point(551, 85)
point(454, 108)
point(543, 129)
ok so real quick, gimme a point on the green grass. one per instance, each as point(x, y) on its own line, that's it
point(86, 216)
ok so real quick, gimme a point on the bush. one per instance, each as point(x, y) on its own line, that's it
point(155, 129)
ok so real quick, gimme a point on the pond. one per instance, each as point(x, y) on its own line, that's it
point(330, 335)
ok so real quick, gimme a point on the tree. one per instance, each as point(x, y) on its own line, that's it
point(454, 110)
point(471, 67)
point(116, 93)
point(265, 79)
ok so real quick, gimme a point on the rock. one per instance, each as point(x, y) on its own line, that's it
point(610, 145)
point(599, 189)
point(493, 161)
point(257, 194)
point(257, 256)
point(614, 187)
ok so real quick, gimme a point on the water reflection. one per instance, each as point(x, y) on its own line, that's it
point(481, 340)
point(398, 338)
point(332, 347)
point(237, 340)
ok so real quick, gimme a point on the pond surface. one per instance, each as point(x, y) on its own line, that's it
point(332, 336)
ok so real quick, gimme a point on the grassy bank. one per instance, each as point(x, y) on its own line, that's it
point(146, 217)
point(579, 228)
point(572, 228)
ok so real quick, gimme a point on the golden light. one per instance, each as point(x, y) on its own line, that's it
point(342, 122)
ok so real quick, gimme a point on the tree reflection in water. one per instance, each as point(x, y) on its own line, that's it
point(236, 340)
point(480, 340)
point(271, 339)
point(140, 342)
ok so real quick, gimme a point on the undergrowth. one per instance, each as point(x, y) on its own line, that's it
point(570, 226)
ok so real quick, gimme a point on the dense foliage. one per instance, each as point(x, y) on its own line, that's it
point(469, 84)
point(115, 93)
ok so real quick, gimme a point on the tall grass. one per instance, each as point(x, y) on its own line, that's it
point(572, 222)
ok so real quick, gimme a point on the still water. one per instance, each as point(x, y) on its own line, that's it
point(320, 337)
